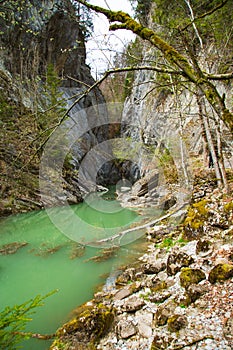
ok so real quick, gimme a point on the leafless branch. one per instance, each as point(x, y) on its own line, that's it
point(226, 76)
point(98, 82)
point(205, 14)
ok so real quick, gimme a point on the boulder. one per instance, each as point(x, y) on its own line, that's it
point(176, 260)
point(220, 272)
point(190, 276)
point(126, 329)
point(133, 303)
point(144, 321)
point(176, 322)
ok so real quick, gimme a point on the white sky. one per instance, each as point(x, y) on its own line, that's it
point(103, 44)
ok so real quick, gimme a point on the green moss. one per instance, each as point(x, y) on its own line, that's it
point(228, 207)
point(90, 324)
point(220, 272)
point(190, 276)
point(176, 322)
point(146, 33)
point(195, 218)
point(59, 345)
point(159, 287)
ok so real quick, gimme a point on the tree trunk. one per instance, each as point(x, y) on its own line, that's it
point(220, 157)
point(172, 56)
point(213, 157)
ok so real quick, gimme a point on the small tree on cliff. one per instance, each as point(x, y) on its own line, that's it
point(181, 59)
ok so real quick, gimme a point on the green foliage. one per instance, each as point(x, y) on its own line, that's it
point(51, 99)
point(170, 242)
point(13, 321)
point(166, 162)
point(6, 109)
point(166, 243)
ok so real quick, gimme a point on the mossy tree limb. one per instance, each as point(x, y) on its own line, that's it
point(199, 78)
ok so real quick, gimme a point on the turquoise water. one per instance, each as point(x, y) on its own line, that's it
point(50, 261)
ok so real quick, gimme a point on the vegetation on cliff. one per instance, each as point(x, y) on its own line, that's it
point(40, 47)
point(191, 47)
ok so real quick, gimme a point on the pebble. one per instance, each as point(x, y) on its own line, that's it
point(205, 317)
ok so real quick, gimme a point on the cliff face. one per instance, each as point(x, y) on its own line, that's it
point(42, 32)
point(162, 113)
point(42, 62)
point(159, 115)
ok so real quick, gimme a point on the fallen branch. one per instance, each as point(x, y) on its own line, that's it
point(36, 335)
point(140, 227)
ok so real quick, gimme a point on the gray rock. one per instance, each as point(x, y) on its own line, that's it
point(133, 303)
point(176, 260)
point(126, 329)
point(122, 293)
point(144, 323)
point(155, 267)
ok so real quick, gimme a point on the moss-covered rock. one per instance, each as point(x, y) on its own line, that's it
point(176, 322)
point(161, 342)
point(190, 276)
point(220, 272)
point(176, 260)
point(90, 324)
point(195, 219)
point(164, 312)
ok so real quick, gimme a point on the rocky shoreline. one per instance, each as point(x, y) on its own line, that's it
point(179, 295)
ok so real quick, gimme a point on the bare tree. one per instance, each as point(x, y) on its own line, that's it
point(193, 73)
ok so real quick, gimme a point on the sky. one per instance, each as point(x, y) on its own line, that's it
point(102, 45)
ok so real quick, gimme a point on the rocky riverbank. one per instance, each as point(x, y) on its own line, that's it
point(179, 295)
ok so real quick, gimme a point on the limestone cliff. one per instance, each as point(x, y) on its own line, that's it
point(42, 62)
point(162, 113)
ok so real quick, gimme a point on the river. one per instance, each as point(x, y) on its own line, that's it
point(51, 261)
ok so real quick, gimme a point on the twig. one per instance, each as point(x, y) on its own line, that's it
point(98, 82)
point(226, 76)
point(205, 14)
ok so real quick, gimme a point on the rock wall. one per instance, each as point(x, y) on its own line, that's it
point(33, 36)
point(155, 116)
point(163, 117)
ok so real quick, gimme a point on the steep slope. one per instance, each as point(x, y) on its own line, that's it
point(42, 66)
point(163, 113)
